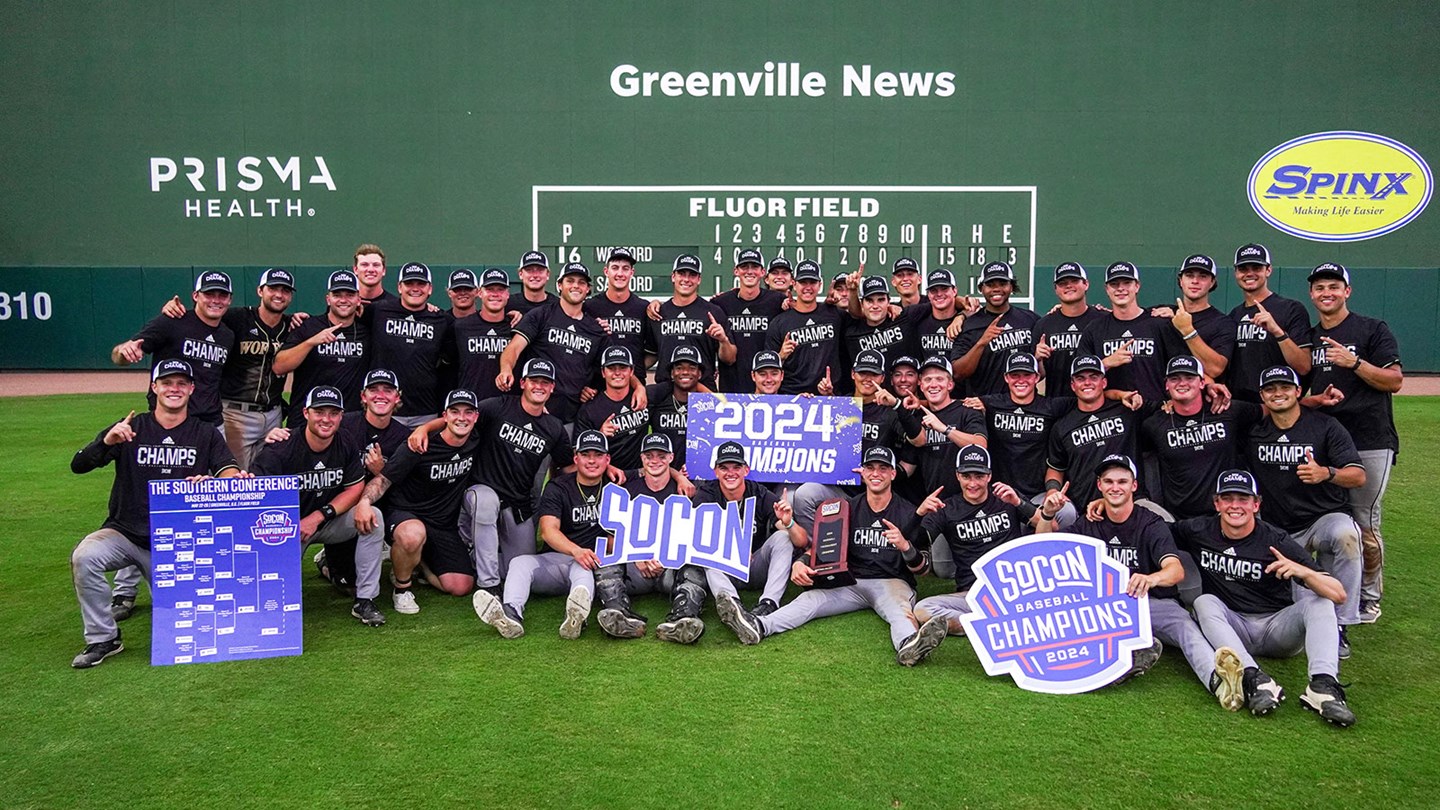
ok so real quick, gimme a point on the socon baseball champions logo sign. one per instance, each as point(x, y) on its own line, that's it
point(1051, 611)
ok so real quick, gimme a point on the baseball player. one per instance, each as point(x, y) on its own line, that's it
point(669, 402)
point(329, 349)
point(331, 479)
point(461, 289)
point(807, 334)
point(368, 265)
point(1265, 596)
point(841, 293)
point(1359, 357)
point(1305, 461)
point(748, 308)
point(1209, 334)
point(937, 425)
point(989, 335)
point(613, 412)
point(872, 327)
point(1059, 330)
point(779, 276)
point(767, 372)
point(931, 323)
point(689, 320)
point(615, 584)
point(534, 284)
point(481, 337)
point(905, 275)
point(1133, 344)
point(1098, 427)
point(407, 334)
point(622, 312)
point(423, 491)
point(1270, 330)
point(165, 443)
point(883, 562)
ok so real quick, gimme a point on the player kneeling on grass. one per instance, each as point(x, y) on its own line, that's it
point(1141, 540)
point(331, 479)
point(569, 513)
point(882, 564)
point(165, 443)
point(1264, 595)
point(422, 493)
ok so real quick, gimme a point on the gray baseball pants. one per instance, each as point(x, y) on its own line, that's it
point(1306, 624)
point(245, 430)
point(491, 531)
point(1365, 503)
point(100, 551)
point(368, 548)
point(890, 598)
point(1335, 541)
point(548, 574)
point(772, 560)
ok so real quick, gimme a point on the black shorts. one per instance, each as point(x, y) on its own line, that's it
point(444, 552)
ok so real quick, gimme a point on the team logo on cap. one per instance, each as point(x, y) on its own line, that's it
point(1236, 481)
point(1340, 186)
point(534, 258)
point(1051, 612)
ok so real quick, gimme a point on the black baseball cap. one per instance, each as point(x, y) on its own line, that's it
point(1329, 270)
point(749, 256)
point(874, 285)
point(415, 271)
point(1116, 460)
point(213, 281)
point(462, 279)
point(997, 271)
point(1086, 362)
point(685, 354)
point(779, 263)
point(277, 277)
point(461, 396)
point(904, 264)
point(904, 360)
point(343, 280)
point(1252, 253)
point(378, 376)
point(1119, 270)
point(940, 278)
point(536, 367)
point(657, 441)
point(169, 368)
point(935, 361)
point(869, 362)
point(1198, 261)
point(1185, 364)
point(325, 396)
point(495, 277)
point(1066, 270)
point(1238, 481)
point(686, 263)
point(1279, 374)
point(808, 271)
point(841, 278)
point(1023, 362)
point(729, 452)
point(575, 269)
point(620, 254)
point(617, 356)
point(879, 454)
point(972, 458)
point(591, 441)
point(534, 258)
point(766, 359)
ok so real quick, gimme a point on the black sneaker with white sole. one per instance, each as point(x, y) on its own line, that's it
point(367, 613)
point(95, 654)
point(1369, 611)
point(1344, 647)
point(764, 608)
point(1262, 694)
point(733, 615)
point(499, 616)
point(922, 642)
point(122, 607)
point(1326, 697)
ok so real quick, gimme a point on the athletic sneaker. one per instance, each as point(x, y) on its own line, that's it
point(501, 617)
point(95, 654)
point(577, 610)
point(405, 603)
point(1262, 694)
point(1344, 649)
point(922, 642)
point(764, 608)
point(320, 567)
point(1326, 697)
point(1369, 611)
point(621, 623)
point(367, 613)
point(734, 616)
point(122, 608)
point(1227, 682)
point(684, 630)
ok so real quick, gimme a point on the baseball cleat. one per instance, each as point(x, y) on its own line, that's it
point(1229, 680)
point(501, 617)
point(1142, 660)
point(1262, 694)
point(122, 607)
point(95, 654)
point(1369, 611)
point(1344, 646)
point(764, 608)
point(367, 613)
point(621, 624)
point(1326, 697)
point(577, 610)
point(734, 616)
point(922, 642)
point(686, 630)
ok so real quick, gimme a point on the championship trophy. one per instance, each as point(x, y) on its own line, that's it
point(830, 545)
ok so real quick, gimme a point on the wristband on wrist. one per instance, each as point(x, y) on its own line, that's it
point(327, 511)
point(1053, 486)
point(1193, 333)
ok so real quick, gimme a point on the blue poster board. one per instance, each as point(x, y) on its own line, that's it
point(789, 439)
point(225, 569)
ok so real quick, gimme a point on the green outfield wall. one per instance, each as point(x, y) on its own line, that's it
point(143, 141)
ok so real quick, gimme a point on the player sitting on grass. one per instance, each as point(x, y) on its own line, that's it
point(165, 443)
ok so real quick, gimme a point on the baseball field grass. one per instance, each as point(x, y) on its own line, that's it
point(436, 708)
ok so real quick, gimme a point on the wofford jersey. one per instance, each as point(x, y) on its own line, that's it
point(250, 370)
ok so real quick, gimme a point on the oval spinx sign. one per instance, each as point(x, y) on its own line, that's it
point(1340, 186)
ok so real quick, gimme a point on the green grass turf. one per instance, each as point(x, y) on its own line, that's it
point(436, 707)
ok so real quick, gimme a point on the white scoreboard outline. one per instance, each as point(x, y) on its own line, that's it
point(1028, 289)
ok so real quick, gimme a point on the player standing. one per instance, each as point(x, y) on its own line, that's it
point(481, 336)
point(1270, 330)
point(1209, 334)
point(749, 308)
point(988, 336)
point(534, 279)
point(905, 275)
point(328, 349)
point(688, 320)
point(1059, 331)
point(406, 334)
point(368, 265)
point(1133, 344)
point(251, 391)
point(806, 335)
point(622, 312)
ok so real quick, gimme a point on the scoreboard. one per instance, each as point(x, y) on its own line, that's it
point(842, 228)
